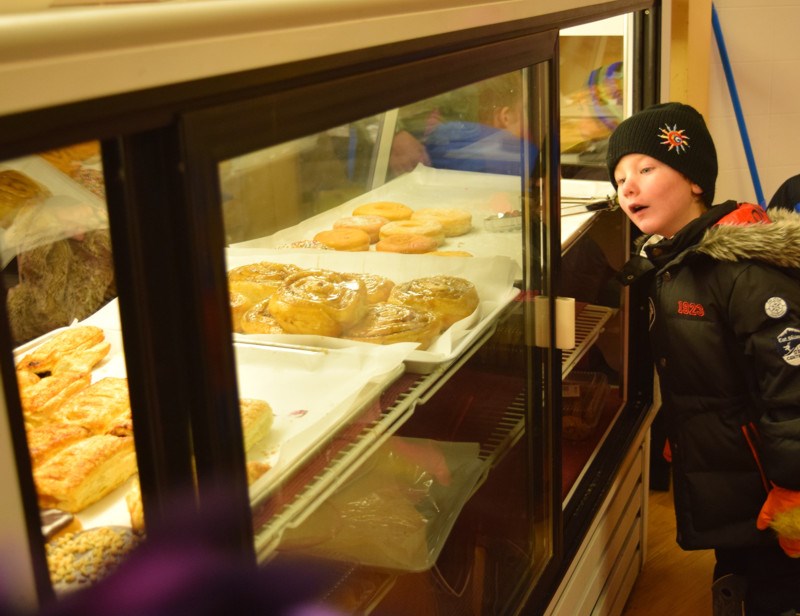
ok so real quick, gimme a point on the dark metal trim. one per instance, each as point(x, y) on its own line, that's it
point(143, 190)
point(143, 110)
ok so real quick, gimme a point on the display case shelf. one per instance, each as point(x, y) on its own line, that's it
point(290, 505)
point(589, 323)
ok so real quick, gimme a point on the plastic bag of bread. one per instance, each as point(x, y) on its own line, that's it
point(59, 237)
point(397, 510)
point(60, 282)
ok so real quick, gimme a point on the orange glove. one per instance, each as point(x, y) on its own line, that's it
point(781, 512)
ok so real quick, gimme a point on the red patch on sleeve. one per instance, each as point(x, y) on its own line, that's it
point(745, 214)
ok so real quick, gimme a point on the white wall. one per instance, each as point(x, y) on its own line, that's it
point(761, 37)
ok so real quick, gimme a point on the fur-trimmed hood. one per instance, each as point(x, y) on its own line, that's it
point(776, 241)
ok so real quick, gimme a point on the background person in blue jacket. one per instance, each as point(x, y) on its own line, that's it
point(723, 285)
point(787, 196)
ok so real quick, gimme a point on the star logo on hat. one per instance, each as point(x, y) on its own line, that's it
point(674, 138)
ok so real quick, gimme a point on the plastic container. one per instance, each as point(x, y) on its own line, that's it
point(582, 398)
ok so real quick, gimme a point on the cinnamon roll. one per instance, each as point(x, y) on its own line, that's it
point(377, 287)
point(259, 320)
point(387, 323)
point(319, 302)
point(259, 280)
point(450, 297)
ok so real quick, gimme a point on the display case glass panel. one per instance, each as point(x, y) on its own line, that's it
point(595, 81)
point(60, 290)
point(380, 276)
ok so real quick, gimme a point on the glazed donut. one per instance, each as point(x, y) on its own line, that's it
point(387, 323)
point(258, 320)
point(407, 243)
point(429, 228)
point(451, 253)
point(450, 297)
point(259, 280)
point(319, 302)
point(388, 209)
point(454, 221)
point(349, 240)
point(371, 224)
point(377, 287)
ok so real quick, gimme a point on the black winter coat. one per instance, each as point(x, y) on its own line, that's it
point(725, 334)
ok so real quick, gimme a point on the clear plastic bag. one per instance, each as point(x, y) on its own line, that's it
point(397, 510)
point(69, 211)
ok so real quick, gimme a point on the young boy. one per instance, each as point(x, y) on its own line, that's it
point(723, 284)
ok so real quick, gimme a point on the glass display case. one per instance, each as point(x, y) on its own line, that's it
point(360, 309)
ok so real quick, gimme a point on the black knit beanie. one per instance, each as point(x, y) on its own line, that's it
point(674, 134)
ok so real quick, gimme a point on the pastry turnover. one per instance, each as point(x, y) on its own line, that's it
point(103, 408)
point(387, 323)
point(41, 399)
point(74, 349)
point(319, 302)
point(133, 501)
point(257, 417)
point(255, 469)
point(85, 472)
point(48, 439)
point(450, 297)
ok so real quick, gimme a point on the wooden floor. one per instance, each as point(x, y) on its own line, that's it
point(673, 582)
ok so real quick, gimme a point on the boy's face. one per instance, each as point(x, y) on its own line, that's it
point(655, 197)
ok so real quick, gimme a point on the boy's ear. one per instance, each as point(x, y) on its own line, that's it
point(696, 190)
point(502, 116)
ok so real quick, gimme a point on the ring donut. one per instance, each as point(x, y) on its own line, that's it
point(388, 209)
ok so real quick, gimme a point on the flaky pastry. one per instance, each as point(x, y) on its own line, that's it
point(85, 472)
point(43, 398)
point(103, 408)
point(74, 349)
point(257, 417)
point(46, 440)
